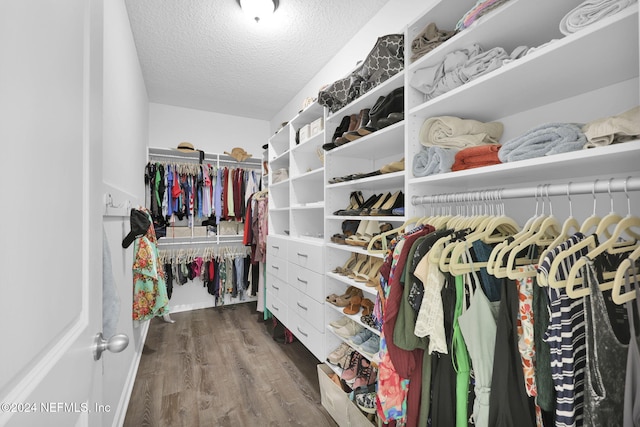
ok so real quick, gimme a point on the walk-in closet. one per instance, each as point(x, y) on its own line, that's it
point(276, 213)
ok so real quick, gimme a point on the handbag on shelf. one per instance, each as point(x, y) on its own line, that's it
point(383, 61)
point(228, 228)
point(279, 175)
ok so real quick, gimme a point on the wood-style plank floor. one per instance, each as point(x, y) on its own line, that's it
point(221, 367)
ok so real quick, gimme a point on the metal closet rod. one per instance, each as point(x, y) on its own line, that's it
point(199, 242)
point(544, 190)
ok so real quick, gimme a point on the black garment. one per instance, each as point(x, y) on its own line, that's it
point(509, 404)
point(168, 277)
point(255, 276)
point(443, 380)
point(245, 276)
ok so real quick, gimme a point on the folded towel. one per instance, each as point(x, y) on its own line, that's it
point(608, 130)
point(590, 11)
point(454, 132)
point(430, 38)
point(543, 140)
point(482, 7)
point(474, 157)
point(433, 160)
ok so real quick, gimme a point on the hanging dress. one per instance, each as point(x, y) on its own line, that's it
point(149, 288)
point(631, 416)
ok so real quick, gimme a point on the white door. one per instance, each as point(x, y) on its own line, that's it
point(50, 212)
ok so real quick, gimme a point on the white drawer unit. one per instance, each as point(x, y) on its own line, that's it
point(277, 267)
point(307, 254)
point(308, 335)
point(277, 288)
point(307, 281)
point(308, 309)
point(277, 246)
point(279, 309)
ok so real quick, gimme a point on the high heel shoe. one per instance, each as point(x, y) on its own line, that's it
point(351, 262)
point(372, 273)
point(378, 203)
point(392, 103)
point(356, 200)
point(373, 228)
point(340, 130)
point(363, 118)
point(366, 205)
point(396, 201)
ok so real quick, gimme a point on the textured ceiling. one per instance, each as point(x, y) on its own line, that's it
point(208, 55)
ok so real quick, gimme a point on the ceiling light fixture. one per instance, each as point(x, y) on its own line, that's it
point(258, 9)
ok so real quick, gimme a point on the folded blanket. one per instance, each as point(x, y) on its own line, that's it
point(454, 132)
point(459, 67)
point(608, 130)
point(482, 7)
point(474, 157)
point(430, 38)
point(544, 140)
point(590, 11)
point(433, 160)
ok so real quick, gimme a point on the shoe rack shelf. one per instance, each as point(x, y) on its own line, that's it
point(368, 356)
point(369, 291)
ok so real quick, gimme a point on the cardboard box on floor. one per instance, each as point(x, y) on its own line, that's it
point(337, 403)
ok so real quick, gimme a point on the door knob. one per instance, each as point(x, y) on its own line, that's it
point(115, 344)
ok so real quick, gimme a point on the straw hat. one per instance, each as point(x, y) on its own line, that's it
point(186, 147)
point(239, 154)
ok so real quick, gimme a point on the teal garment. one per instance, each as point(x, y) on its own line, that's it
point(460, 358)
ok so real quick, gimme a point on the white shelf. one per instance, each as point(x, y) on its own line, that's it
point(608, 160)
point(284, 184)
point(316, 174)
point(388, 180)
point(368, 356)
point(356, 249)
point(309, 114)
point(395, 218)
point(309, 146)
point(385, 142)
point(307, 207)
point(370, 291)
point(573, 65)
point(278, 210)
point(281, 161)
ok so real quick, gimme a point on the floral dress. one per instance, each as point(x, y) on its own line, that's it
point(149, 287)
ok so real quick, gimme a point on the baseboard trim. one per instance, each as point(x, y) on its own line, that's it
point(200, 305)
point(121, 411)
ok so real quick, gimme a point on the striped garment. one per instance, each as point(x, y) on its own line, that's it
point(566, 338)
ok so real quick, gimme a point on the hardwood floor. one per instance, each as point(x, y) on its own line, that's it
point(220, 367)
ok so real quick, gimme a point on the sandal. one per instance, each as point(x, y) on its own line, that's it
point(354, 305)
point(373, 228)
point(367, 307)
point(351, 262)
point(372, 273)
point(345, 300)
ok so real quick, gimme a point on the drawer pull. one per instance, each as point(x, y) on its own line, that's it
point(304, 255)
point(275, 267)
point(275, 287)
point(275, 247)
point(302, 281)
point(299, 330)
point(302, 306)
point(274, 307)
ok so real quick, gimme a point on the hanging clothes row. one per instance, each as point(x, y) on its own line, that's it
point(223, 270)
point(187, 190)
point(470, 334)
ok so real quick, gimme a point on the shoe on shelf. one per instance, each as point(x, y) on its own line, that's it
point(352, 369)
point(348, 266)
point(338, 323)
point(384, 106)
point(342, 128)
point(369, 275)
point(381, 200)
point(361, 336)
point(367, 306)
point(368, 320)
point(373, 228)
point(348, 297)
point(354, 305)
point(367, 402)
point(349, 330)
point(395, 201)
point(366, 376)
point(393, 167)
point(336, 355)
point(372, 345)
point(355, 201)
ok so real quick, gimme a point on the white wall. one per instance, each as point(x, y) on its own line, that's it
point(207, 131)
point(391, 19)
point(126, 120)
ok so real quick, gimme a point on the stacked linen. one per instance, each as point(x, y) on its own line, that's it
point(475, 157)
point(454, 132)
point(589, 12)
point(543, 140)
point(459, 67)
point(442, 137)
point(433, 160)
point(482, 7)
point(430, 38)
point(614, 129)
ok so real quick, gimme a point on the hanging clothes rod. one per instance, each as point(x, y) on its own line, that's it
point(162, 242)
point(574, 188)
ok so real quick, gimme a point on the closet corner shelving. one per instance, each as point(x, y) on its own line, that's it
point(295, 245)
point(183, 244)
